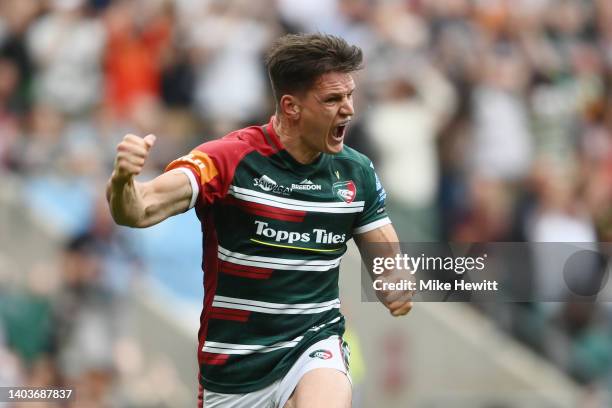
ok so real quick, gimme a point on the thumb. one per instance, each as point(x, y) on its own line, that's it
point(150, 140)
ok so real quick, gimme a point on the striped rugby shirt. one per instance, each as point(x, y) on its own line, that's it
point(274, 234)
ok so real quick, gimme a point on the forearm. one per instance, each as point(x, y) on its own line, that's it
point(382, 243)
point(141, 205)
point(126, 202)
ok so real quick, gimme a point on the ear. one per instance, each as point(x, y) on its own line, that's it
point(290, 106)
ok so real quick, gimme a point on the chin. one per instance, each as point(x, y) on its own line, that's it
point(335, 149)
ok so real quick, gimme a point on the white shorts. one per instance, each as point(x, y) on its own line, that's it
point(329, 353)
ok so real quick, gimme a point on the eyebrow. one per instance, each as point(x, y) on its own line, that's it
point(335, 94)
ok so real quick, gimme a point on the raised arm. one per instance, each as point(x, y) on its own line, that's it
point(383, 242)
point(141, 205)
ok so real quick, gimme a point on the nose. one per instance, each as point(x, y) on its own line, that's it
point(347, 106)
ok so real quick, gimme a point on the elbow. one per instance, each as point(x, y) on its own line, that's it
point(140, 224)
point(126, 218)
point(130, 223)
point(126, 221)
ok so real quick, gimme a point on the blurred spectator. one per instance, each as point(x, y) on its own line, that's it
point(502, 145)
point(66, 47)
point(16, 17)
point(229, 40)
point(557, 216)
point(41, 146)
point(9, 119)
point(308, 16)
point(413, 103)
point(139, 33)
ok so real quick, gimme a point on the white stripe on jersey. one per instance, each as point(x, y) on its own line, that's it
point(244, 349)
point(335, 207)
point(319, 327)
point(195, 188)
point(275, 308)
point(278, 263)
point(372, 226)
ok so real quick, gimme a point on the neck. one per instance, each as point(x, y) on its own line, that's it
point(290, 137)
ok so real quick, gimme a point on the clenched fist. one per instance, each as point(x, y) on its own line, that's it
point(132, 154)
point(398, 301)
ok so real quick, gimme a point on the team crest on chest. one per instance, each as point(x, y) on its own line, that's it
point(345, 190)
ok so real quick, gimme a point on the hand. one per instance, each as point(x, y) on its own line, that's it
point(400, 308)
point(399, 302)
point(132, 154)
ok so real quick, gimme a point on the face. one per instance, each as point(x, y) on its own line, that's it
point(325, 111)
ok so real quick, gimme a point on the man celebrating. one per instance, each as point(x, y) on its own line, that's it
point(277, 204)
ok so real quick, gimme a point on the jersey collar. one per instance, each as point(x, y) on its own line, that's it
point(297, 167)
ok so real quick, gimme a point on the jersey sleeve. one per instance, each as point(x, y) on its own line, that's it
point(210, 168)
point(201, 171)
point(374, 213)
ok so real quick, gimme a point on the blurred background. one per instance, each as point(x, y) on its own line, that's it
point(487, 120)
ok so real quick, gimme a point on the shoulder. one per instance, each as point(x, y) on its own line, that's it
point(233, 144)
point(233, 147)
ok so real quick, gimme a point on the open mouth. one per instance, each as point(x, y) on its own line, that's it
point(339, 132)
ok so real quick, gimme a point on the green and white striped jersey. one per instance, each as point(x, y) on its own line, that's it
point(274, 232)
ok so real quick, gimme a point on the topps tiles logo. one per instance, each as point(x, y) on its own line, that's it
point(268, 184)
point(318, 235)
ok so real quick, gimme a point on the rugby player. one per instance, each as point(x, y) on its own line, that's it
point(278, 204)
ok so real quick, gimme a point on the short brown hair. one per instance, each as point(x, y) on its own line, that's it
point(295, 61)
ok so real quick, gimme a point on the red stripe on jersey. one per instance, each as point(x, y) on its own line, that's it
point(248, 275)
point(231, 311)
point(214, 358)
point(223, 313)
point(281, 214)
point(275, 216)
point(244, 270)
point(224, 316)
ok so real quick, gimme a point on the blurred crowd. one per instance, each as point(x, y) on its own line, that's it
point(487, 120)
